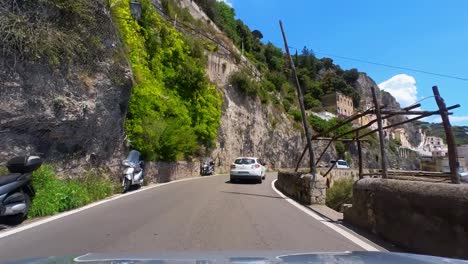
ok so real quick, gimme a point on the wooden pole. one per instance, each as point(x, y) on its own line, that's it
point(313, 169)
point(359, 155)
point(381, 134)
point(300, 158)
point(452, 147)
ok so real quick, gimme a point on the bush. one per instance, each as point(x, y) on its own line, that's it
point(340, 148)
point(340, 193)
point(54, 195)
point(311, 102)
point(173, 108)
point(3, 171)
point(52, 32)
point(243, 81)
point(296, 115)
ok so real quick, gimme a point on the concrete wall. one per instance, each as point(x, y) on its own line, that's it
point(157, 172)
point(421, 217)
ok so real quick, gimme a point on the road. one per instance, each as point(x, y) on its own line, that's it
point(207, 214)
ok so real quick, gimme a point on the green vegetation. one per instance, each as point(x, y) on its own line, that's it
point(54, 195)
point(317, 76)
point(340, 193)
point(50, 31)
point(173, 109)
point(3, 171)
point(321, 126)
point(437, 130)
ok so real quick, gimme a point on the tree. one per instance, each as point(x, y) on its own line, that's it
point(273, 57)
point(225, 19)
point(307, 61)
point(245, 36)
point(311, 102)
point(351, 76)
point(327, 63)
point(257, 34)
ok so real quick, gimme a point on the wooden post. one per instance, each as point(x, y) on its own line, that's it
point(381, 134)
point(359, 155)
point(451, 145)
point(300, 159)
point(313, 169)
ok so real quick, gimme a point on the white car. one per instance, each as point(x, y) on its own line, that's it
point(340, 164)
point(248, 168)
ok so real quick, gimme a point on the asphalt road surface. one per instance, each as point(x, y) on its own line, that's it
point(207, 214)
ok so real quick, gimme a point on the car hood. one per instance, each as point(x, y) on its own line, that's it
point(245, 258)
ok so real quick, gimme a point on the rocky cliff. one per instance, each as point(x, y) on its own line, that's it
point(60, 106)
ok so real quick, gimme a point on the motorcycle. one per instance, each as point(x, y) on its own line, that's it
point(207, 168)
point(16, 190)
point(133, 173)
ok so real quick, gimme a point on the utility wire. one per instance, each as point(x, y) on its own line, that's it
point(396, 67)
point(389, 66)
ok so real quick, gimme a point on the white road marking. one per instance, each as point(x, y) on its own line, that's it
point(21, 228)
point(329, 224)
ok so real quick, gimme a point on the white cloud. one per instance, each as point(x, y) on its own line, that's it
point(453, 119)
point(402, 87)
point(228, 2)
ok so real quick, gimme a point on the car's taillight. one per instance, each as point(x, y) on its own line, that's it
point(233, 166)
point(256, 166)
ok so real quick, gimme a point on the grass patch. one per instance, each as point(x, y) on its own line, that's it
point(340, 193)
point(3, 171)
point(54, 195)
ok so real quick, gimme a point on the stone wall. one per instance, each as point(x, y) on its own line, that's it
point(158, 172)
point(421, 217)
point(301, 187)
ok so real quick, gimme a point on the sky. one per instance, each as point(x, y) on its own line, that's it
point(427, 35)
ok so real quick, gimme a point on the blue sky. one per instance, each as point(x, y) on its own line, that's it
point(429, 35)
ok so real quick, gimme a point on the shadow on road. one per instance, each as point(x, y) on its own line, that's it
point(242, 182)
point(253, 194)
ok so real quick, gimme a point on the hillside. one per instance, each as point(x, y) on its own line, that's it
point(432, 129)
point(179, 83)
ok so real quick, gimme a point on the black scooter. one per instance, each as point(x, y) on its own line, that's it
point(16, 190)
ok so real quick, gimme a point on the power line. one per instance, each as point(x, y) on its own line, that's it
point(387, 65)
point(396, 67)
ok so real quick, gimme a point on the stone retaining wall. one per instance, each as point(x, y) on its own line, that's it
point(421, 217)
point(301, 187)
point(157, 172)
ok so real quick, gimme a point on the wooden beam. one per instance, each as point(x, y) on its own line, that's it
point(451, 146)
point(346, 121)
point(410, 120)
point(343, 139)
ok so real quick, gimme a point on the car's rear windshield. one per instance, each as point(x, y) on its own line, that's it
point(244, 161)
point(342, 163)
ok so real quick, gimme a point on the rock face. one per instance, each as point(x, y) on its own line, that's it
point(67, 112)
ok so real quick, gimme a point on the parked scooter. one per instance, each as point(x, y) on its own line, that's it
point(207, 167)
point(16, 190)
point(133, 173)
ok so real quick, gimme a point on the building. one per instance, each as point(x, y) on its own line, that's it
point(338, 103)
point(435, 145)
point(463, 153)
